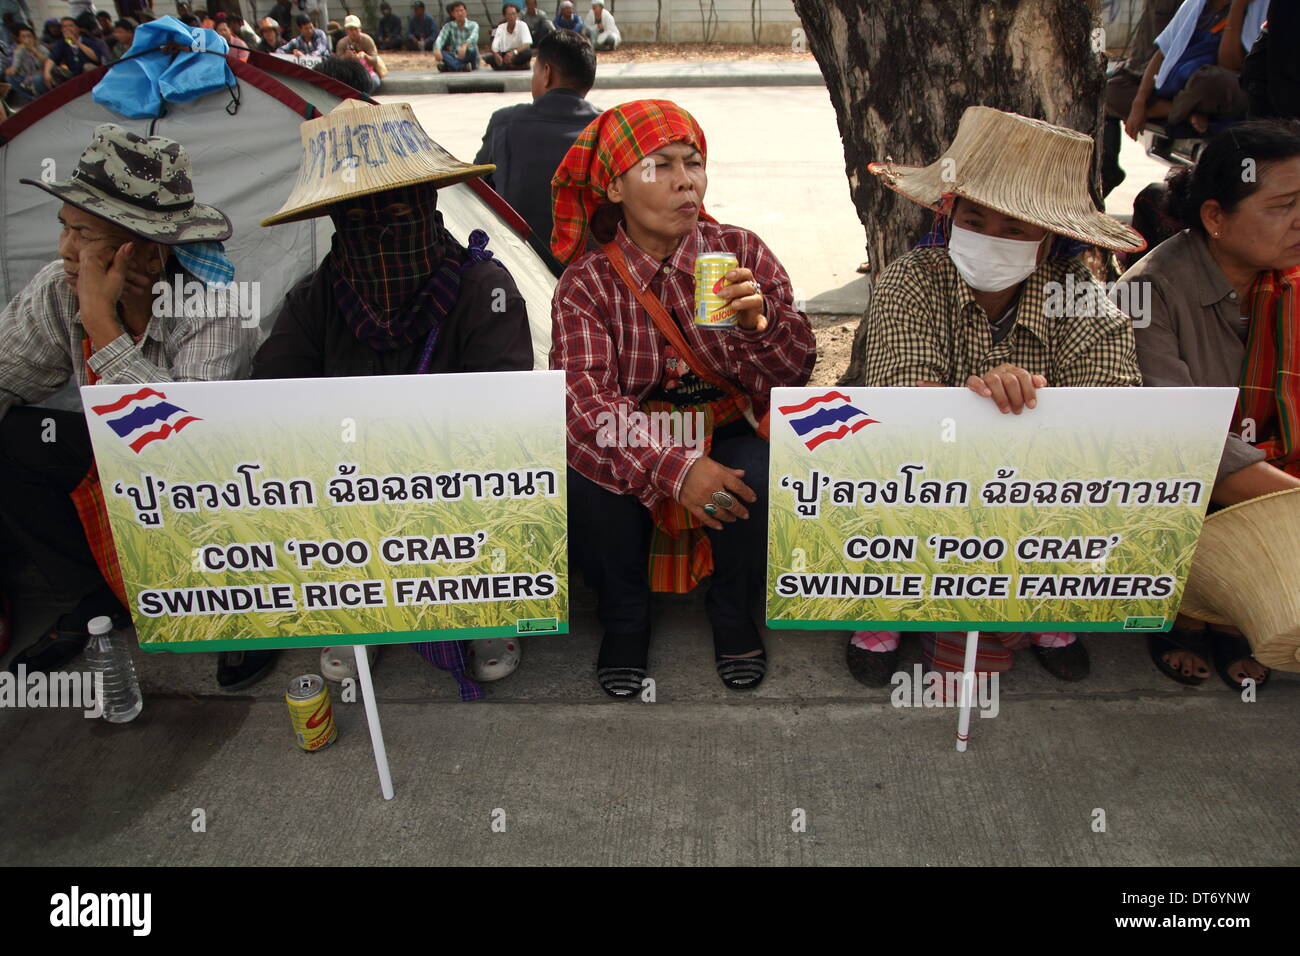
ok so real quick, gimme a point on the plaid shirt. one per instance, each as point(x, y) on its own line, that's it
point(615, 356)
point(43, 337)
point(923, 324)
point(453, 35)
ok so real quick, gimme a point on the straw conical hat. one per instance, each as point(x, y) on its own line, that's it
point(1247, 573)
point(1021, 167)
point(360, 148)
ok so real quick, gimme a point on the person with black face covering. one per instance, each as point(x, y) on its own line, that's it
point(397, 294)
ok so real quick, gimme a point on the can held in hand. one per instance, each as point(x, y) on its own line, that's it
point(712, 311)
point(311, 712)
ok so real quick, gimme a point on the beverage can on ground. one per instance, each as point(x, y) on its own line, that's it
point(311, 712)
point(712, 310)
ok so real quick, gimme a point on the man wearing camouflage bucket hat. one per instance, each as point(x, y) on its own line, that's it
point(980, 304)
point(130, 228)
point(397, 294)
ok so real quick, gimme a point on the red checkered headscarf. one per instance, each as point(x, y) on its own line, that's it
point(613, 143)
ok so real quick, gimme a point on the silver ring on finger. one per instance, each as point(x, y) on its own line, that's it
point(710, 510)
point(723, 500)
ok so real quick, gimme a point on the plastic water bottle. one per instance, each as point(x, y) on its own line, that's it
point(108, 655)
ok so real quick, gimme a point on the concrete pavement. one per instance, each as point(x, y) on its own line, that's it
point(617, 76)
point(701, 776)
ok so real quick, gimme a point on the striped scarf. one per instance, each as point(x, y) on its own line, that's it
point(1270, 375)
point(613, 143)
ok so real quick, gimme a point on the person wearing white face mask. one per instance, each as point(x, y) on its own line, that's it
point(979, 305)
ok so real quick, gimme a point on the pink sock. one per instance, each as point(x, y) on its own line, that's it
point(878, 641)
point(1052, 639)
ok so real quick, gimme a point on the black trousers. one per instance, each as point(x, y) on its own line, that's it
point(609, 538)
point(44, 454)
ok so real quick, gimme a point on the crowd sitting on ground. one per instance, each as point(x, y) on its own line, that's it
point(964, 308)
point(34, 64)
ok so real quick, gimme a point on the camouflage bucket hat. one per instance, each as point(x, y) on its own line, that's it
point(141, 183)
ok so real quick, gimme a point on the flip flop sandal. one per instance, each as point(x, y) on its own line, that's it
point(340, 663)
point(621, 664)
point(739, 673)
point(1179, 639)
point(1068, 663)
point(1228, 649)
point(492, 658)
point(871, 668)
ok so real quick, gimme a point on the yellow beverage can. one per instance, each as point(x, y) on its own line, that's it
point(311, 712)
point(712, 311)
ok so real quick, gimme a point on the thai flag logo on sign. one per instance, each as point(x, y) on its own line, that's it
point(143, 417)
point(824, 418)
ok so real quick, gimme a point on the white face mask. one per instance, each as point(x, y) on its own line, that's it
point(990, 264)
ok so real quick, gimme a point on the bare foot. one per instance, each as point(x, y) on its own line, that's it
point(1245, 667)
point(1187, 663)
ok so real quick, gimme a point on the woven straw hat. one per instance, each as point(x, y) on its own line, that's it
point(1021, 167)
point(1246, 573)
point(360, 148)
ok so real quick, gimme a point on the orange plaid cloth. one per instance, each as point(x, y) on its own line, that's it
point(681, 555)
point(613, 143)
point(1270, 375)
point(88, 499)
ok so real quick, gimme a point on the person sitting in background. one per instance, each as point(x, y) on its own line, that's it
point(537, 20)
point(456, 48)
point(310, 41)
point(269, 30)
point(970, 309)
point(104, 26)
point(74, 54)
point(130, 224)
point(1192, 77)
point(397, 294)
point(389, 35)
point(361, 47)
point(347, 70)
point(646, 509)
point(123, 37)
point(422, 31)
point(511, 42)
point(51, 33)
point(601, 29)
point(25, 73)
point(1225, 312)
point(238, 48)
point(334, 30)
point(242, 30)
point(566, 19)
point(527, 142)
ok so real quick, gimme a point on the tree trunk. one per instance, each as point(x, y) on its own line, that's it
point(901, 72)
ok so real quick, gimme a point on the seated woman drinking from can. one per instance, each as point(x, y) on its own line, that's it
point(668, 377)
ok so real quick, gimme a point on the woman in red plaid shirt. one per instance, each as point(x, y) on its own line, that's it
point(664, 461)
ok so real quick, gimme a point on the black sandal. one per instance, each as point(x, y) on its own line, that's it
point(1180, 639)
point(62, 641)
point(739, 673)
point(871, 668)
point(1069, 663)
point(1228, 649)
point(621, 665)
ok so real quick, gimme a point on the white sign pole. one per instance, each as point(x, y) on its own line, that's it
point(967, 690)
point(372, 718)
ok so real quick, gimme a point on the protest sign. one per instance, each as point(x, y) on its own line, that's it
point(297, 513)
point(928, 509)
